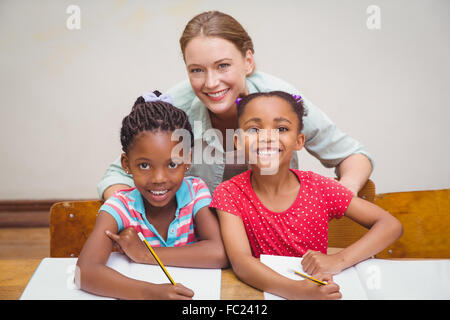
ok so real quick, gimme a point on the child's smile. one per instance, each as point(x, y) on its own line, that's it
point(266, 154)
point(271, 131)
point(159, 195)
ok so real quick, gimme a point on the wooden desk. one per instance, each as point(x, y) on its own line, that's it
point(15, 274)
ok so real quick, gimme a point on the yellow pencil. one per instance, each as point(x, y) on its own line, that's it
point(310, 278)
point(156, 257)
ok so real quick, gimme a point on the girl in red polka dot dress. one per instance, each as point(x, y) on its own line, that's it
point(272, 209)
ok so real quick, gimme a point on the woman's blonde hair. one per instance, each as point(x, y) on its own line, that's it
point(217, 24)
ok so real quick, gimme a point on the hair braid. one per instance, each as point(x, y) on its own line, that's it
point(149, 116)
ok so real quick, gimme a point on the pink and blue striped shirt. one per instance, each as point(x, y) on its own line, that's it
point(127, 208)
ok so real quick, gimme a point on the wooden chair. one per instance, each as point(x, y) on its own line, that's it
point(71, 223)
point(425, 216)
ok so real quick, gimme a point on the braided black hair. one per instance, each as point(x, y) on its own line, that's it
point(295, 102)
point(149, 116)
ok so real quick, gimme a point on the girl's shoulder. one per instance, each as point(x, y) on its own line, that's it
point(195, 183)
point(122, 195)
point(311, 177)
point(319, 182)
point(240, 182)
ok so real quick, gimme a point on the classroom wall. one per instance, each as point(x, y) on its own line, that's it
point(64, 91)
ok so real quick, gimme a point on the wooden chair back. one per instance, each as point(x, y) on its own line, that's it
point(425, 216)
point(71, 223)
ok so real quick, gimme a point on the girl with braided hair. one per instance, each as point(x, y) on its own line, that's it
point(168, 208)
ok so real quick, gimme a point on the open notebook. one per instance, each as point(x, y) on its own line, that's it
point(54, 279)
point(378, 279)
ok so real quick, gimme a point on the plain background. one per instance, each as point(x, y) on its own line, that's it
point(64, 92)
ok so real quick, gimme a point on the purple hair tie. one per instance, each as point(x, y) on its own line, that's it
point(238, 100)
point(297, 97)
point(151, 97)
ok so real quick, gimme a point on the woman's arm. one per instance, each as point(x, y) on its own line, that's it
point(207, 252)
point(335, 148)
point(115, 178)
point(384, 229)
point(253, 272)
point(94, 276)
point(354, 171)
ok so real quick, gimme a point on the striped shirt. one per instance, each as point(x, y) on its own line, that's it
point(127, 208)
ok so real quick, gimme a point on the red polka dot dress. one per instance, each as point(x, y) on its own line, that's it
point(303, 226)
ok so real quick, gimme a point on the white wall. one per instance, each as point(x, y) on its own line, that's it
point(64, 92)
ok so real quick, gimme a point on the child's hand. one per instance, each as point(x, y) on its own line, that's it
point(168, 291)
point(128, 243)
point(315, 262)
point(317, 292)
point(305, 289)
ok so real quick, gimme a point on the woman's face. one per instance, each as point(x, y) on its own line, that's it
point(217, 72)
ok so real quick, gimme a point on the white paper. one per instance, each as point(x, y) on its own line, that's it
point(54, 279)
point(348, 280)
point(405, 279)
point(379, 279)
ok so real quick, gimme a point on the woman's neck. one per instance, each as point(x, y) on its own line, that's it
point(222, 122)
point(227, 119)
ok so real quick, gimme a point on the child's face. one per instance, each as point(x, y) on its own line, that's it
point(217, 71)
point(270, 133)
point(156, 174)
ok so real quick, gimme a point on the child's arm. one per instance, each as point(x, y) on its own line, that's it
point(94, 276)
point(253, 272)
point(384, 230)
point(207, 252)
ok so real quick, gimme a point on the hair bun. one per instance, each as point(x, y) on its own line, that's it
point(157, 93)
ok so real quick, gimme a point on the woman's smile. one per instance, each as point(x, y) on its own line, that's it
point(217, 72)
point(218, 95)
